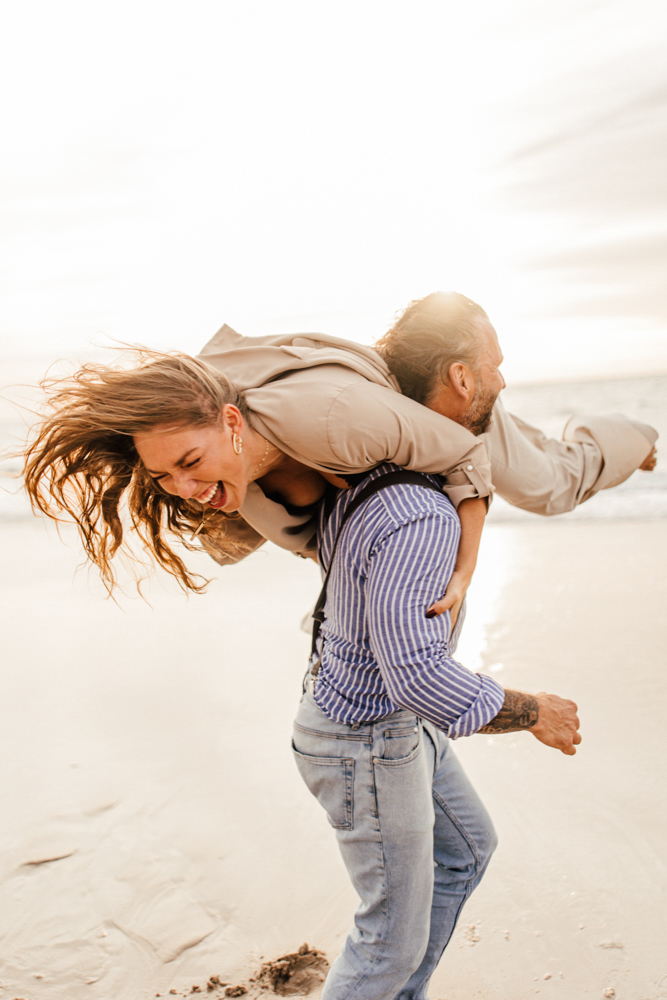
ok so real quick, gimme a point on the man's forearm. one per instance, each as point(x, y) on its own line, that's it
point(519, 711)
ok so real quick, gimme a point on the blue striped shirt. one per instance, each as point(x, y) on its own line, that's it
point(378, 651)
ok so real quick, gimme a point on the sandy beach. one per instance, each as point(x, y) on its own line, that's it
point(155, 831)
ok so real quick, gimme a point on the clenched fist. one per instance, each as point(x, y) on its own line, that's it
point(648, 465)
point(557, 723)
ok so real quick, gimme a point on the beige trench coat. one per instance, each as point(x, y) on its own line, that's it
point(335, 406)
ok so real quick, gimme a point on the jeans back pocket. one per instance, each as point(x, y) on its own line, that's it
point(331, 781)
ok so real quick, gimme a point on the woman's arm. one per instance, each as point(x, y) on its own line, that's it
point(471, 514)
point(229, 540)
point(336, 421)
point(547, 476)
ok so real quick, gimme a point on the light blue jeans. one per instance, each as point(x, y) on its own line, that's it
point(414, 837)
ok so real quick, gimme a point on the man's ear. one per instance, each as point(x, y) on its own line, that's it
point(461, 380)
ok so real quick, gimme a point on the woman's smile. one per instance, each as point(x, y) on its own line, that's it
point(216, 497)
point(207, 494)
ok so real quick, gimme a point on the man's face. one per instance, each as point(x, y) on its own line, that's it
point(488, 381)
point(468, 395)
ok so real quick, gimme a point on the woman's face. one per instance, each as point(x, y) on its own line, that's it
point(198, 463)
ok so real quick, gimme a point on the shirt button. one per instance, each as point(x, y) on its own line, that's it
point(416, 729)
point(469, 468)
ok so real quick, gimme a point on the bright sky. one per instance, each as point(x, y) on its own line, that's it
point(292, 166)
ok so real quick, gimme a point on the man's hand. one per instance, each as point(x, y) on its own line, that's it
point(552, 720)
point(648, 465)
point(557, 723)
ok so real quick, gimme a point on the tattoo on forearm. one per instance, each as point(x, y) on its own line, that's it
point(519, 711)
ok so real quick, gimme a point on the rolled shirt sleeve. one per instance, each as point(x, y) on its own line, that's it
point(408, 569)
point(621, 442)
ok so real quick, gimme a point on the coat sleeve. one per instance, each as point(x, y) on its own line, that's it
point(230, 540)
point(397, 429)
point(547, 476)
point(335, 420)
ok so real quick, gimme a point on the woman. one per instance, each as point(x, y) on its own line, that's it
point(176, 441)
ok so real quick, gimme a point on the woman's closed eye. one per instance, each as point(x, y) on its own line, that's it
point(157, 476)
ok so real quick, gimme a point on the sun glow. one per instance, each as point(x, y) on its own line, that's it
point(303, 167)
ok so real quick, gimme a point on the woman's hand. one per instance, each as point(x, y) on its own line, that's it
point(453, 599)
point(648, 465)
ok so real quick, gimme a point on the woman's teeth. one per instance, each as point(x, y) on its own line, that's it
point(210, 493)
point(219, 498)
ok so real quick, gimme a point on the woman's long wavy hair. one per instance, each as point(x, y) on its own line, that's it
point(81, 461)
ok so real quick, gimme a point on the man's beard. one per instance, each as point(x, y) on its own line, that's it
point(478, 417)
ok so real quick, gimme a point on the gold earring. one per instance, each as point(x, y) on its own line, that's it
point(237, 443)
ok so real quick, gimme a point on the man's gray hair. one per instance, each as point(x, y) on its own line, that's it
point(430, 336)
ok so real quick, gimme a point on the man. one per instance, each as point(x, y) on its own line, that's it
point(372, 735)
point(444, 353)
point(319, 391)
